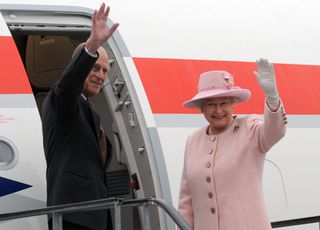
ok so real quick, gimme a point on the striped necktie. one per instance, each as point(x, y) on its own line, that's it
point(103, 145)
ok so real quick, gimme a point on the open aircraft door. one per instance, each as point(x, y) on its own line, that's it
point(32, 60)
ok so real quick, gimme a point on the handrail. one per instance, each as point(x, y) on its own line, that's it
point(65, 208)
point(172, 212)
point(295, 222)
point(107, 203)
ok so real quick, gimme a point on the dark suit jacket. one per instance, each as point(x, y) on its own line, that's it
point(75, 171)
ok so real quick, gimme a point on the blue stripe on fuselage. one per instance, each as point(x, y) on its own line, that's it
point(10, 186)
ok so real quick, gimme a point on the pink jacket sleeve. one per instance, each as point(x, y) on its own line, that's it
point(267, 131)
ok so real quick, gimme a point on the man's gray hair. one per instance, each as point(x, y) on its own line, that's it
point(78, 48)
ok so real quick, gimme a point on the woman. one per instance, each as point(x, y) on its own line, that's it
point(221, 186)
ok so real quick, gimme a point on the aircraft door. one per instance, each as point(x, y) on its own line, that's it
point(131, 163)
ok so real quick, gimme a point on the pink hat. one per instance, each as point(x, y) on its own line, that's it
point(217, 84)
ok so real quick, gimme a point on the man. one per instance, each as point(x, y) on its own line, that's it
point(76, 150)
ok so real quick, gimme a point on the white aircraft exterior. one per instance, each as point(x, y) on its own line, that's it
point(157, 53)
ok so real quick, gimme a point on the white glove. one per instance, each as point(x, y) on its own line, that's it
point(267, 81)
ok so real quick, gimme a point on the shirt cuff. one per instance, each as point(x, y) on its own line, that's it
point(95, 55)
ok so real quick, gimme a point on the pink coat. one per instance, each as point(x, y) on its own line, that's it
point(221, 186)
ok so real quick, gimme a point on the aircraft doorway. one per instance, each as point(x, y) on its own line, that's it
point(45, 49)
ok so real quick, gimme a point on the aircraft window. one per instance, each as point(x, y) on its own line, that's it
point(8, 154)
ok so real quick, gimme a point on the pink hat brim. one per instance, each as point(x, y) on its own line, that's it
point(241, 95)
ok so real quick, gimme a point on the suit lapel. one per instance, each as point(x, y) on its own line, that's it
point(92, 118)
point(96, 122)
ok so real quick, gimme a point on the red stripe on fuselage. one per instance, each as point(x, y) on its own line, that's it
point(13, 78)
point(170, 82)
